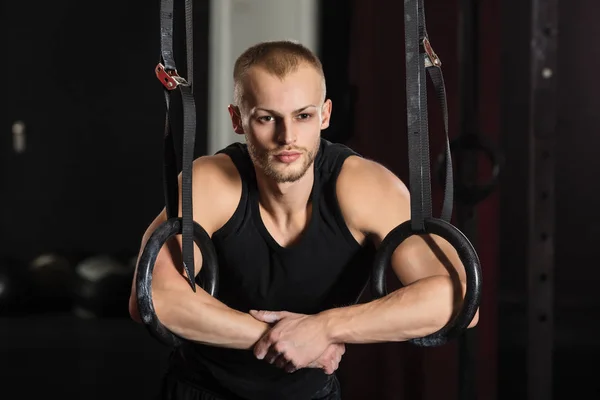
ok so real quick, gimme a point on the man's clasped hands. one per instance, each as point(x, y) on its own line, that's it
point(297, 341)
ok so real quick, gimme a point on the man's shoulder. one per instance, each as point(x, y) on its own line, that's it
point(216, 190)
point(359, 170)
point(234, 147)
point(330, 149)
point(218, 166)
point(366, 188)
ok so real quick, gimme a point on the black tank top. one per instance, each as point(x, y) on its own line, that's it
point(325, 268)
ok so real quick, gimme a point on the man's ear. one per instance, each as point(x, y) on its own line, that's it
point(326, 114)
point(236, 119)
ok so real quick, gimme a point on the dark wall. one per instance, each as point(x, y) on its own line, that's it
point(336, 39)
point(80, 76)
point(72, 358)
point(400, 370)
point(576, 193)
point(81, 79)
point(516, 20)
point(578, 189)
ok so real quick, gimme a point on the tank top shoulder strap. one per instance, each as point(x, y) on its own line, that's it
point(238, 152)
point(331, 158)
point(329, 163)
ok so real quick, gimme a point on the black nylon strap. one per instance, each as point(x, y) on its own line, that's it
point(189, 42)
point(437, 78)
point(419, 59)
point(189, 130)
point(169, 70)
point(166, 35)
point(171, 191)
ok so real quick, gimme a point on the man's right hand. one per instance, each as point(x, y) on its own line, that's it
point(329, 361)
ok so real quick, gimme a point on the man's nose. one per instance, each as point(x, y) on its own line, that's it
point(286, 132)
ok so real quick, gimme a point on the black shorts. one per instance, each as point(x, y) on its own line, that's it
point(175, 388)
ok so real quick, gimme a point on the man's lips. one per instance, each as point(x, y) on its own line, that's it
point(287, 156)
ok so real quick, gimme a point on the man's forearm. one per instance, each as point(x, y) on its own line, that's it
point(201, 318)
point(413, 311)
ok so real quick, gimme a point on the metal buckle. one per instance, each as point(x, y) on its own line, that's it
point(169, 79)
point(433, 59)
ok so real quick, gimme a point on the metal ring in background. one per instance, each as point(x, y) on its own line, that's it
point(472, 194)
point(467, 255)
point(208, 275)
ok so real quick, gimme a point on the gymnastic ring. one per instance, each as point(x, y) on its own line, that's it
point(472, 194)
point(208, 277)
point(467, 255)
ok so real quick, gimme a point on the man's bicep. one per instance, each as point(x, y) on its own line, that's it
point(418, 256)
point(168, 266)
point(375, 201)
point(167, 272)
point(216, 191)
point(423, 256)
point(212, 200)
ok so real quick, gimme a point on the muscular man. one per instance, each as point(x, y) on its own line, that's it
point(295, 220)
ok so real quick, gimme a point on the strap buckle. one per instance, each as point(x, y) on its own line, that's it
point(432, 59)
point(169, 79)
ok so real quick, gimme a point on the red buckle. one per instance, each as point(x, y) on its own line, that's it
point(169, 79)
point(433, 58)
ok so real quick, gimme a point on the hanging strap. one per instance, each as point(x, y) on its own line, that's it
point(166, 72)
point(420, 58)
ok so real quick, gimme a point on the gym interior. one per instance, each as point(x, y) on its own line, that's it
point(81, 177)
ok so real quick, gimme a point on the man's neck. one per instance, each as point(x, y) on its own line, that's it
point(284, 201)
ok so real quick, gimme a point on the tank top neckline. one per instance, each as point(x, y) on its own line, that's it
point(304, 235)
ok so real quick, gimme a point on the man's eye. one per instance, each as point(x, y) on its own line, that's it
point(304, 116)
point(265, 118)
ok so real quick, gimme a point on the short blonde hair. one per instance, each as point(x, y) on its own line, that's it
point(277, 57)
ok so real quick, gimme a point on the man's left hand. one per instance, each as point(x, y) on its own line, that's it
point(295, 341)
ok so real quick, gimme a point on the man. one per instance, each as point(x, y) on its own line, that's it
point(295, 220)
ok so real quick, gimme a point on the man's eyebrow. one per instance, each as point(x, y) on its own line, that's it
point(299, 110)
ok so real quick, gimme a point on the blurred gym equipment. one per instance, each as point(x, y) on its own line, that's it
point(13, 287)
point(101, 287)
point(50, 277)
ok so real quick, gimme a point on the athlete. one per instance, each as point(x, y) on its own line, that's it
point(295, 221)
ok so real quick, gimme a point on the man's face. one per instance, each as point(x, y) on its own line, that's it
point(282, 120)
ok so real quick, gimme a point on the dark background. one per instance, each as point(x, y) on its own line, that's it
point(90, 181)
